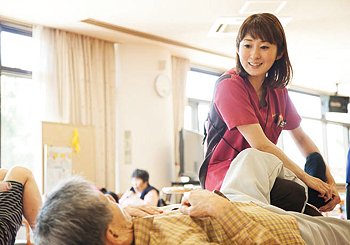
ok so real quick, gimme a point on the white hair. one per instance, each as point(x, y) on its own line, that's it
point(73, 214)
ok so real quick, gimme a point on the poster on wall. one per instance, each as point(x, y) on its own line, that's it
point(57, 165)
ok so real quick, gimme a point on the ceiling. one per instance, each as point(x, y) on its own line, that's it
point(318, 31)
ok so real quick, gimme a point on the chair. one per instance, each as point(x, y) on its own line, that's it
point(27, 242)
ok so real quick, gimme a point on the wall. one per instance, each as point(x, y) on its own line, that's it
point(147, 116)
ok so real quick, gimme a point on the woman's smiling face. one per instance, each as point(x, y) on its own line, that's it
point(257, 56)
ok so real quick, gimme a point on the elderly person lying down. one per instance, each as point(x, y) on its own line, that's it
point(76, 213)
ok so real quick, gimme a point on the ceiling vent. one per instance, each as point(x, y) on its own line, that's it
point(229, 26)
point(226, 26)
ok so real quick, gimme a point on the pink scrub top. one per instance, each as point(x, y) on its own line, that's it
point(236, 103)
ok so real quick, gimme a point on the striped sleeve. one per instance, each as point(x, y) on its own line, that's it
point(11, 210)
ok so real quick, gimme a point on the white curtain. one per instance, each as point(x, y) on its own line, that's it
point(180, 67)
point(78, 77)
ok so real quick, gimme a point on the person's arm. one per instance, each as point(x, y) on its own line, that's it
point(306, 147)
point(130, 198)
point(31, 194)
point(124, 196)
point(142, 210)
point(151, 198)
point(257, 139)
point(240, 228)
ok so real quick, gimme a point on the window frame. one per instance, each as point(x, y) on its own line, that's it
point(324, 122)
point(194, 103)
point(20, 30)
point(9, 71)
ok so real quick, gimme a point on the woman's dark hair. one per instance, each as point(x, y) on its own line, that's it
point(267, 27)
point(141, 174)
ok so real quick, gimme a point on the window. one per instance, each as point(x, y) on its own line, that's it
point(330, 133)
point(312, 128)
point(20, 104)
point(199, 91)
point(200, 84)
point(336, 133)
point(307, 105)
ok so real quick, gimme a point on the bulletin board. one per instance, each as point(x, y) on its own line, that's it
point(57, 140)
point(57, 165)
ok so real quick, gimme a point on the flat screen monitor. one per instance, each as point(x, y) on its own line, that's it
point(191, 153)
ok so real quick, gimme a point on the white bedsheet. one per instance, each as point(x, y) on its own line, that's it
point(251, 177)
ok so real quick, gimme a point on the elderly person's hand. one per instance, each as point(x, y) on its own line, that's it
point(141, 210)
point(203, 203)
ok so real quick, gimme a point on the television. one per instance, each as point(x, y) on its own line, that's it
point(338, 104)
point(191, 153)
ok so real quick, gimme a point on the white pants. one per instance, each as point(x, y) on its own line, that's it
point(251, 177)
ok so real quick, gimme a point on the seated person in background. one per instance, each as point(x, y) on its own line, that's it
point(115, 196)
point(19, 195)
point(141, 191)
point(92, 218)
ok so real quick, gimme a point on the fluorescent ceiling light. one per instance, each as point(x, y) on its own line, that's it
point(280, 7)
point(252, 7)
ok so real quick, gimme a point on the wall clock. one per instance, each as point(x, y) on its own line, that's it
point(163, 85)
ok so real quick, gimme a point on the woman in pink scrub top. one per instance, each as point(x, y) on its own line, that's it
point(251, 107)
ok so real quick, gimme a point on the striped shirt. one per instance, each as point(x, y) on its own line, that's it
point(244, 223)
point(11, 210)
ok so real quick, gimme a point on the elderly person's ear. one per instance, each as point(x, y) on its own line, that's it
point(112, 237)
point(117, 237)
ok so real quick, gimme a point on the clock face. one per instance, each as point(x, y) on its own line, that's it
point(163, 85)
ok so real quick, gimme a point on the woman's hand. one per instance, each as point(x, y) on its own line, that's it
point(323, 188)
point(332, 203)
point(141, 210)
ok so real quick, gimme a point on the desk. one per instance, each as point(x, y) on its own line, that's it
point(176, 192)
point(192, 182)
